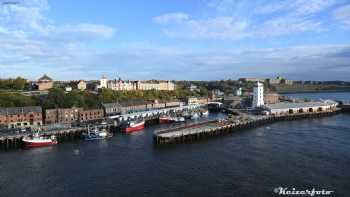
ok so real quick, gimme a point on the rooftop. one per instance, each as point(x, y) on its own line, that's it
point(288, 105)
point(19, 110)
point(45, 78)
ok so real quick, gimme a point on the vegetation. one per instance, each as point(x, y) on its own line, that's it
point(13, 84)
point(15, 100)
point(58, 98)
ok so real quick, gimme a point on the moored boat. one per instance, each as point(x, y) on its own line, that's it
point(165, 120)
point(169, 119)
point(96, 134)
point(37, 140)
point(133, 126)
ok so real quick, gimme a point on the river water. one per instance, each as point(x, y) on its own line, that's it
point(301, 154)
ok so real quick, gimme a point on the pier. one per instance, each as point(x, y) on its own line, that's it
point(194, 132)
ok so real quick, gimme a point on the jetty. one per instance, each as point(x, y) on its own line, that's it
point(202, 130)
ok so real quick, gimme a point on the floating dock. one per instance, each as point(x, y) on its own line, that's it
point(193, 132)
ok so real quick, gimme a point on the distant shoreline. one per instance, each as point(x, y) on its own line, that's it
point(312, 91)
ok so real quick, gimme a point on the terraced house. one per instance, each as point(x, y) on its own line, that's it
point(21, 117)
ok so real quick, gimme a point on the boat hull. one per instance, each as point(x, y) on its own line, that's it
point(133, 128)
point(30, 144)
point(165, 120)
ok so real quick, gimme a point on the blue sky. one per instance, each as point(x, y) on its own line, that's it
point(175, 39)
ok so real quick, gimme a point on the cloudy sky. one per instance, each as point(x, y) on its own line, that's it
point(175, 39)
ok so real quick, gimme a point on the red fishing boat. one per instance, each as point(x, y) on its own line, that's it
point(165, 120)
point(37, 140)
point(133, 126)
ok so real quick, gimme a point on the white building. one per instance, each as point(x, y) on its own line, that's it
point(103, 82)
point(258, 95)
point(68, 89)
point(238, 92)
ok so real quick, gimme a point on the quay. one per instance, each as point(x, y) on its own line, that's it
point(190, 133)
point(10, 141)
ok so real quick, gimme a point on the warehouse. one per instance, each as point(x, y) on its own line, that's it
point(301, 107)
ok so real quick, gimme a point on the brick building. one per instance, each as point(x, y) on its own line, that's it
point(91, 115)
point(21, 117)
point(271, 98)
point(44, 83)
point(72, 115)
point(60, 115)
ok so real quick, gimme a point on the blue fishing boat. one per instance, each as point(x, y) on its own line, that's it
point(95, 134)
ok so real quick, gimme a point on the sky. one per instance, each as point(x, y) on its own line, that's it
point(175, 39)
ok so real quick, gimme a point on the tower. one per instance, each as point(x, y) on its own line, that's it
point(103, 82)
point(258, 95)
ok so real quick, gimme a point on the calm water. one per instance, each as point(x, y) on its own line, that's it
point(302, 154)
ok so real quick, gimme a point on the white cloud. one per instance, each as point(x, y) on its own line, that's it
point(30, 40)
point(305, 7)
point(170, 17)
point(343, 15)
point(238, 19)
point(217, 28)
point(296, 7)
point(287, 25)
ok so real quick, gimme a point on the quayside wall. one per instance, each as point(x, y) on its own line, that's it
point(183, 135)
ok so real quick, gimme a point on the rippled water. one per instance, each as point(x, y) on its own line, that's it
point(303, 154)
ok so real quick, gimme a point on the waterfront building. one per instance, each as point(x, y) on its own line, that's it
point(119, 108)
point(62, 115)
point(300, 107)
point(44, 83)
point(21, 117)
point(258, 95)
point(91, 115)
point(271, 98)
point(71, 115)
point(126, 107)
point(81, 85)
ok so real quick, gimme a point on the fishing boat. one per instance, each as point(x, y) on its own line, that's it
point(37, 140)
point(95, 134)
point(165, 120)
point(169, 119)
point(133, 126)
point(179, 119)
